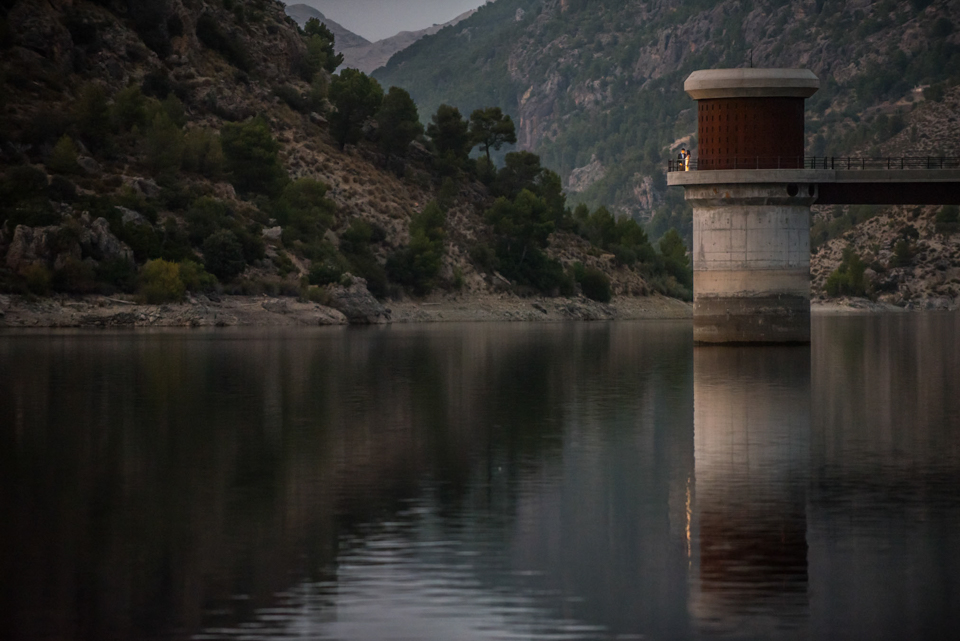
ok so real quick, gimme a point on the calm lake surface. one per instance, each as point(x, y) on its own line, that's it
point(482, 481)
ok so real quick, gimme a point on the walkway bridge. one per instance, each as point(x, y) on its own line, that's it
point(904, 180)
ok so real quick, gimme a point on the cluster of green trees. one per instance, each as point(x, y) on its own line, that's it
point(848, 279)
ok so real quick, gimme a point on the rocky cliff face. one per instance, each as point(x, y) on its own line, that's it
point(111, 155)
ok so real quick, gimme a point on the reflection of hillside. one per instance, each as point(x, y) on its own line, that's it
point(752, 426)
point(158, 476)
point(605, 524)
point(884, 503)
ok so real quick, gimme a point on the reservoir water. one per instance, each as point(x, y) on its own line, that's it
point(482, 481)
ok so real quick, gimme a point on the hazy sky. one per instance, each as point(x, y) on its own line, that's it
point(378, 19)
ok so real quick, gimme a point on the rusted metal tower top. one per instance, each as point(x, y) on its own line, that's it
point(750, 117)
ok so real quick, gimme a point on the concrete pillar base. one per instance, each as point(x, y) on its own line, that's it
point(775, 318)
point(751, 262)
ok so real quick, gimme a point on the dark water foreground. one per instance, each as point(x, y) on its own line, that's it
point(482, 481)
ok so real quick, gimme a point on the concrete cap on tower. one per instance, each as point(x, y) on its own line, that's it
point(709, 84)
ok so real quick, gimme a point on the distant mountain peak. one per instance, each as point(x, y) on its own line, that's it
point(360, 53)
point(345, 38)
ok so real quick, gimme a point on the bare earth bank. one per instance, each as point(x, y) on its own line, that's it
point(266, 311)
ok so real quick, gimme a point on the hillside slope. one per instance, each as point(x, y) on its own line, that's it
point(149, 146)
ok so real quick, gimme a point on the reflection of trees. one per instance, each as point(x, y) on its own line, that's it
point(603, 519)
point(150, 478)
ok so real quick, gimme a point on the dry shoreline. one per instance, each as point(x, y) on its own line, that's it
point(267, 311)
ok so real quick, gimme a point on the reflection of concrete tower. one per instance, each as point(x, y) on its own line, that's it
point(751, 450)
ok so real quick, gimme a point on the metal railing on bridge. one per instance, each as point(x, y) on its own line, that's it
point(815, 162)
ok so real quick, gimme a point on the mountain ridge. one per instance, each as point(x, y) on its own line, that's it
point(345, 38)
point(360, 53)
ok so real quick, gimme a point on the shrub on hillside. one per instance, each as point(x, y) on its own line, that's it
point(116, 274)
point(522, 227)
point(129, 109)
point(142, 239)
point(948, 219)
point(164, 145)
point(224, 43)
point(848, 279)
point(92, 117)
point(74, 276)
point(63, 158)
point(223, 255)
point(595, 285)
point(355, 247)
point(399, 122)
point(175, 242)
point(321, 53)
point(160, 282)
point(417, 265)
point(251, 157)
point(676, 261)
point(522, 171)
point(490, 128)
point(304, 211)
point(195, 278)
point(357, 98)
point(24, 198)
point(450, 134)
point(202, 152)
point(325, 273)
point(38, 278)
point(903, 253)
point(205, 217)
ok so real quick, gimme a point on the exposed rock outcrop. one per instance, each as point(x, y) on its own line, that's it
point(358, 304)
point(52, 245)
point(582, 177)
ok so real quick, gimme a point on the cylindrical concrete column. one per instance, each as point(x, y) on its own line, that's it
point(751, 262)
point(751, 214)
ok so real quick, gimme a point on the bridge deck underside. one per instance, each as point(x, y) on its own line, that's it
point(889, 193)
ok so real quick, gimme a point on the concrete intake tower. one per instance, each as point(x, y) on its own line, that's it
point(751, 227)
point(751, 189)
